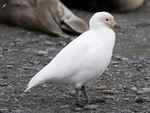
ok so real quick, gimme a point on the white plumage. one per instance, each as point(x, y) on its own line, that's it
point(84, 59)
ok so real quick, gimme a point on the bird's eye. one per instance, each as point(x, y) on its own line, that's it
point(106, 19)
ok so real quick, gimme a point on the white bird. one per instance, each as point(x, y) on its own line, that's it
point(84, 59)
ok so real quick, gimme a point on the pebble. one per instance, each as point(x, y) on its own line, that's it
point(143, 90)
point(26, 68)
point(1, 50)
point(147, 78)
point(1, 56)
point(45, 85)
point(118, 57)
point(134, 89)
point(9, 66)
point(42, 52)
point(19, 40)
point(126, 111)
point(108, 91)
point(49, 43)
point(72, 93)
point(64, 106)
point(139, 65)
point(125, 59)
point(101, 88)
point(91, 107)
point(109, 97)
point(20, 43)
point(115, 63)
point(126, 99)
point(78, 109)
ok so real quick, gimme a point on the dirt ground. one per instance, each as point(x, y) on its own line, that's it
point(127, 79)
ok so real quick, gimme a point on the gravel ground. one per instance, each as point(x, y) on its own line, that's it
point(123, 88)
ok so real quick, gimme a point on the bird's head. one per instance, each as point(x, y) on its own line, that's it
point(103, 19)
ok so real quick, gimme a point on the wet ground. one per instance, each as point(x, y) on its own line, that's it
point(123, 88)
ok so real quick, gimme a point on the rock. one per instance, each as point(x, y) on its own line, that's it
point(62, 43)
point(9, 66)
point(108, 91)
point(64, 106)
point(19, 40)
point(45, 85)
point(118, 57)
point(109, 97)
point(49, 43)
point(1, 56)
point(1, 50)
point(91, 107)
point(78, 109)
point(126, 99)
point(42, 52)
point(139, 65)
point(25, 67)
point(139, 100)
point(20, 43)
point(147, 78)
point(125, 59)
point(134, 89)
point(72, 93)
point(143, 90)
point(101, 88)
point(126, 111)
point(115, 63)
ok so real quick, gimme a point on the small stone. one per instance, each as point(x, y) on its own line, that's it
point(1, 50)
point(109, 97)
point(49, 43)
point(20, 43)
point(115, 63)
point(120, 33)
point(45, 85)
point(9, 66)
point(134, 89)
point(91, 107)
point(101, 88)
point(22, 94)
point(139, 100)
point(64, 106)
point(19, 40)
point(143, 90)
point(126, 111)
point(78, 109)
point(42, 52)
point(118, 57)
point(108, 91)
point(139, 92)
point(26, 68)
point(147, 78)
point(62, 43)
point(125, 59)
point(139, 65)
point(72, 93)
point(126, 99)
point(146, 90)
point(1, 56)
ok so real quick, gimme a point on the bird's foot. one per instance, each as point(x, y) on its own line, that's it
point(80, 104)
point(91, 101)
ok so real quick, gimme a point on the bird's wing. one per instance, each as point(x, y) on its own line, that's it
point(67, 63)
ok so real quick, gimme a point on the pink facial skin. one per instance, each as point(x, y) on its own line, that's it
point(107, 21)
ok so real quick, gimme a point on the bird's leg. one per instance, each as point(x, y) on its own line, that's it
point(78, 101)
point(85, 94)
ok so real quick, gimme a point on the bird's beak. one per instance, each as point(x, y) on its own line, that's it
point(114, 25)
